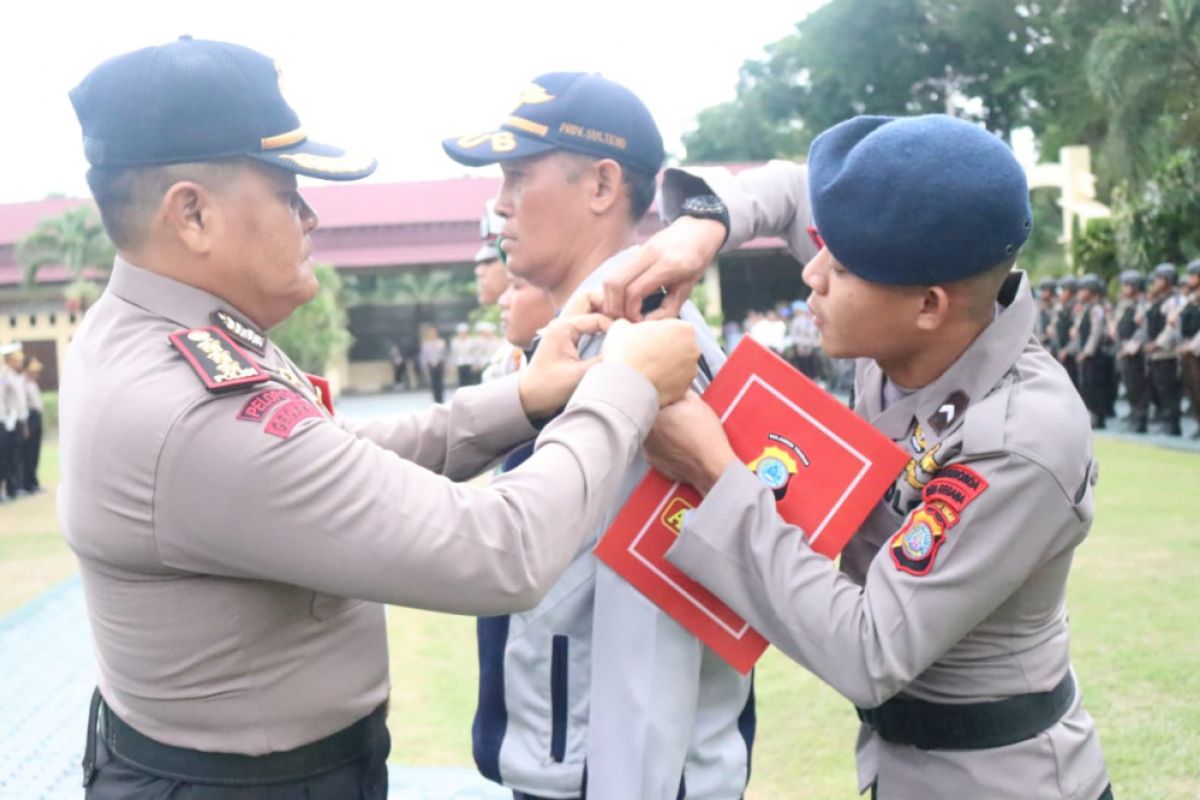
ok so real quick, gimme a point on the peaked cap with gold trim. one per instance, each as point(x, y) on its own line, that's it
point(199, 100)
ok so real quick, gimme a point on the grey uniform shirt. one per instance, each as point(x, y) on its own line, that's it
point(987, 619)
point(234, 569)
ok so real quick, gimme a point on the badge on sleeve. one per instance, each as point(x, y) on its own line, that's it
point(285, 419)
point(915, 545)
point(219, 362)
point(956, 486)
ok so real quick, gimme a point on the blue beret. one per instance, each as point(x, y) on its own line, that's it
point(918, 200)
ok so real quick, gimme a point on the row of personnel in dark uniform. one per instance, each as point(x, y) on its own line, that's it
point(1150, 341)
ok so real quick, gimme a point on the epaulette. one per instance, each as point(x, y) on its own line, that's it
point(220, 363)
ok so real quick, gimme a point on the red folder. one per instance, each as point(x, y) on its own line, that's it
point(826, 466)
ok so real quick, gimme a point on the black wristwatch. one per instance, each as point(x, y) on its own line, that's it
point(705, 206)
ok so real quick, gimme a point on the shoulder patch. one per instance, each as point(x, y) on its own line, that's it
point(285, 419)
point(956, 486)
point(258, 405)
point(219, 362)
point(915, 545)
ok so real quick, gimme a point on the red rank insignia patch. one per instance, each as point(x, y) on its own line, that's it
point(219, 362)
point(956, 486)
point(915, 545)
point(285, 419)
point(257, 406)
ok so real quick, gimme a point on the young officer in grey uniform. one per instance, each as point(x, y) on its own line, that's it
point(1189, 347)
point(235, 539)
point(1129, 333)
point(947, 626)
point(1094, 349)
point(595, 681)
point(1162, 344)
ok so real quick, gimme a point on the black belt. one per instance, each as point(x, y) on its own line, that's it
point(231, 769)
point(969, 726)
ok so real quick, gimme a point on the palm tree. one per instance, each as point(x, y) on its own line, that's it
point(74, 239)
point(1146, 68)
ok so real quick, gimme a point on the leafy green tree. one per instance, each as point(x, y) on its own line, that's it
point(1094, 249)
point(1146, 69)
point(316, 334)
point(1158, 222)
point(74, 239)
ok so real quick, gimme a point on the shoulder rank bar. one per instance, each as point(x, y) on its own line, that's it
point(241, 330)
point(219, 362)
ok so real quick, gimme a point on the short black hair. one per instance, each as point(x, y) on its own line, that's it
point(639, 186)
point(127, 196)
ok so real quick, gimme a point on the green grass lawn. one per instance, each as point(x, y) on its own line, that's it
point(1134, 598)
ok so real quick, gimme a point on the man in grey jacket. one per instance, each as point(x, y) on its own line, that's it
point(595, 683)
point(946, 625)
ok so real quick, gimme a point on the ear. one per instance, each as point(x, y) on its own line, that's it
point(934, 309)
point(608, 179)
point(190, 213)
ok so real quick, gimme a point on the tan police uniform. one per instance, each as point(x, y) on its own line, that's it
point(953, 591)
point(236, 542)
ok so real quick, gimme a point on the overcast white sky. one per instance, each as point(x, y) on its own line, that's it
point(391, 79)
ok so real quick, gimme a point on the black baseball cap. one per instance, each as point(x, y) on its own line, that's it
point(577, 111)
point(199, 100)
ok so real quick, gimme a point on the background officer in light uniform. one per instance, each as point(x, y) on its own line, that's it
point(1129, 333)
point(1164, 306)
point(595, 680)
point(947, 626)
point(235, 539)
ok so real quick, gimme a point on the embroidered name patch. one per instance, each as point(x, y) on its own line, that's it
point(956, 486)
point(256, 407)
point(219, 362)
point(285, 419)
point(915, 546)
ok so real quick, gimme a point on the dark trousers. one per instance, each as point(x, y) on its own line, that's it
point(1107, 794)
point(1095, 377)
point(1164, 372)
point(364, 778)
point(10, 461)
point(1189, 366)
point(32, 451)
point(1072, 368)
point(1137, 389)
point(437, 383)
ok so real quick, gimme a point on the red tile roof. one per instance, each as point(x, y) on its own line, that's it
point(362, 224)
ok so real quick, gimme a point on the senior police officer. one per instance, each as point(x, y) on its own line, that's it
point(947, 626)
point(1129, 333)
point(237, 540)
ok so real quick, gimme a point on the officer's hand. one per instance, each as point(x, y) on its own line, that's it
point(688, 444)
point(665, 351)
point(675, 257)
point(556, 368)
